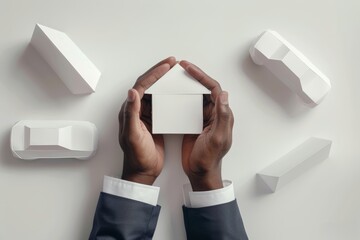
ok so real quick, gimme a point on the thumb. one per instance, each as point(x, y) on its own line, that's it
point(132, 112)
point(223, 122)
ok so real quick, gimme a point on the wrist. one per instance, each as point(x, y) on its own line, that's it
point(139, 178)
point(135, 172)
point(206, 182)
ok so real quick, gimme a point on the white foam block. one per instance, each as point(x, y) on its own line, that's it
point(177, 114)
point(53, 139)
point(293, 164)
point(177, 103)
point(78, 73)
point(291, 67)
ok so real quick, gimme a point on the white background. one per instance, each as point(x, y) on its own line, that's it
point(56, 199)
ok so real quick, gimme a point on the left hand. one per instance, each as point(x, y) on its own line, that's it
point(143, 151)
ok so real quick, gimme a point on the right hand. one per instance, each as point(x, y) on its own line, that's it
point(202, 154)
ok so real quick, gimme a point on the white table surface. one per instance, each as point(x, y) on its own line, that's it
point(56, 199)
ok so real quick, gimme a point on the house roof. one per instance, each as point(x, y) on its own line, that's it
point(175, 82)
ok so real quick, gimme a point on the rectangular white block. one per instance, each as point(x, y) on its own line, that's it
point(78, 73)
point(43, 136)
point(177, 114)
point(48, 138)
point(297, 161)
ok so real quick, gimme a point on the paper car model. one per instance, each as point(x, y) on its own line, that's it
point(53, 139)
point(291, 67)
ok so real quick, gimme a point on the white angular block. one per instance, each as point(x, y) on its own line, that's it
point(291, 67)
point(78, 73)
point(177, 103)
point(293, 164)
point(53, 139)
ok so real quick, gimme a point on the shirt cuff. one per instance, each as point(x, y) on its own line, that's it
point(131, 190)
point(208, 198)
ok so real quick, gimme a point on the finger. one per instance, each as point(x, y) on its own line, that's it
point(170, 60)
point(153, 74)
point(147, 80)
point(131, 115)
point(203, 78)
point(221, 133)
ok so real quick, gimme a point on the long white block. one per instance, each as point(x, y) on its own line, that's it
point(291, 67)
point(53, 139)
point(78, 73)
point(293, 164)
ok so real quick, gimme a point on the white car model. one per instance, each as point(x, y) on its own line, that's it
point(291, 67)
point(53, 139)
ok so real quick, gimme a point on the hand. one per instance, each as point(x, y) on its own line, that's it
point(202, 154)
point(143, 151)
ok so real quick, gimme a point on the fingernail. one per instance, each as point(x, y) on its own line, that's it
point(131, 96)
point(224, 98)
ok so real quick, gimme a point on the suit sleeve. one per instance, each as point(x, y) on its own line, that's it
point(118, 218)
point(219, 222)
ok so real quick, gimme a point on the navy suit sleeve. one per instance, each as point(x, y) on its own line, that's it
point(118, 218)
point(219, 222)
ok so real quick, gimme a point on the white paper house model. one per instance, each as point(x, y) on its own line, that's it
point(177, 103)
point(296, 162)
point(78, 73)
point(291, 67)
point(53, 139)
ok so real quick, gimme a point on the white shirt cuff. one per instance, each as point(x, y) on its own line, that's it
point(131, 190)
point(208, 198)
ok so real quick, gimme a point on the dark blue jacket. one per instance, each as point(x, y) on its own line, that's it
point(118, 218)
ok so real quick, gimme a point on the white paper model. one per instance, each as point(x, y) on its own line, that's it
point(291, 67)
point(177, 103)
point(293, 164)
point(78, 73)
point(53, 139)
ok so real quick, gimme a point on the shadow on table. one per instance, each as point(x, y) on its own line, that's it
point(171, 182)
